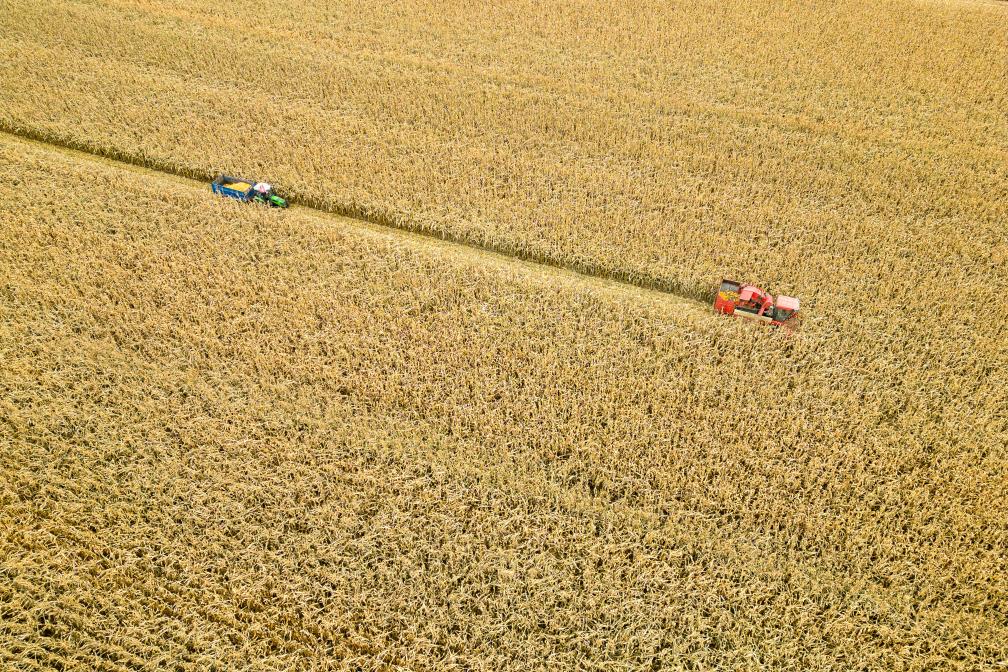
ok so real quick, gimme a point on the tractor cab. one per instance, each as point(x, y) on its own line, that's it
point(262, 192)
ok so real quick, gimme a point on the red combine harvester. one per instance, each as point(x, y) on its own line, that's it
point(750, 301)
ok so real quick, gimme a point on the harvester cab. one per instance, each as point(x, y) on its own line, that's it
point(751, 302)
point(786, 309)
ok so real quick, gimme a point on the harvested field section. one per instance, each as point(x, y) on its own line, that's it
point(666, 144)
point(242, 438)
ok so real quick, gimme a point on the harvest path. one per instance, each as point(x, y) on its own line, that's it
point(385, 226)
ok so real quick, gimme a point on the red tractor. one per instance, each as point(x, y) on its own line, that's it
point(752, 302)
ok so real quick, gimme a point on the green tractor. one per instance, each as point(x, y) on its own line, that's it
point(247, 190)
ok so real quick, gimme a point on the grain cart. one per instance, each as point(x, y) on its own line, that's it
point(246, 190)
point(749, 301)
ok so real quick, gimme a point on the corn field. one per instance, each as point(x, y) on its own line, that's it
point(237, 438)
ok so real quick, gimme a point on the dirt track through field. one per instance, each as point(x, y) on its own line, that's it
point(351, 216)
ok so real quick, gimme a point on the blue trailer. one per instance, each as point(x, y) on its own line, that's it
point(245, 190)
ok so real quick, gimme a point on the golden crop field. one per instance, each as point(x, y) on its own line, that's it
point(667, 144)
point(238, 438)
